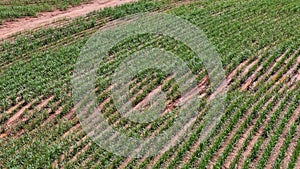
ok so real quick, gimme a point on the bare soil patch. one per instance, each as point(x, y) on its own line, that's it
point(44, 18)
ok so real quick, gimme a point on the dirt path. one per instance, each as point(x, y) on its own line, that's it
point(27, 23)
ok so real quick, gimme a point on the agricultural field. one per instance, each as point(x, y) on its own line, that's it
point(259, 46)
point(12, 9)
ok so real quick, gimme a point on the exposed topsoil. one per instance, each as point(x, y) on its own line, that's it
point(9, 28)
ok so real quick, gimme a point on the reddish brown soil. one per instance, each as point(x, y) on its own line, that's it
point(10, 110)
point(18, 114)
point(28, 23)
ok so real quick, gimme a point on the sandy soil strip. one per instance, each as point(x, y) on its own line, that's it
point(246, 65)
point(281, 140)
point(17, 115)
point(10, 110)
point(241, 141)
point(291, 148)
point(263, 78)
point(252, 78)
point(297, 164)
point(198, 89)
point(256, 136)
point(221, 88)
point(27, 23)
point(267, 140)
